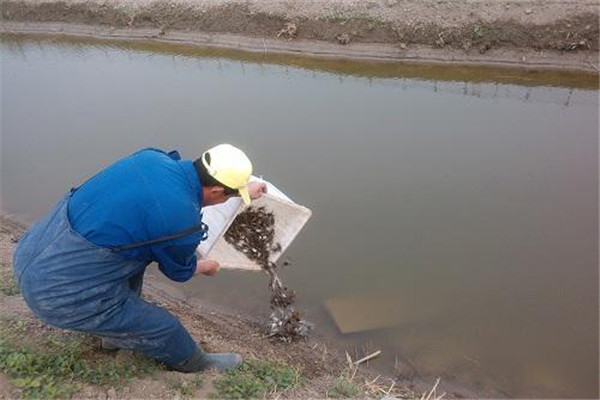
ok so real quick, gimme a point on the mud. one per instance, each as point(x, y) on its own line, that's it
point(253, 234)
point(570, 31)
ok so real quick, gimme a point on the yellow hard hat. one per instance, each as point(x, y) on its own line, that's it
point(230, 166)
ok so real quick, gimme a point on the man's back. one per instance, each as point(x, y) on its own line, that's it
point(145, 196)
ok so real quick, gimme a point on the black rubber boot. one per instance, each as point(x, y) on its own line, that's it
point(202, 361)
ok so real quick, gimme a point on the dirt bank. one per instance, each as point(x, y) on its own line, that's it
point(319, 368)
point(541, 33)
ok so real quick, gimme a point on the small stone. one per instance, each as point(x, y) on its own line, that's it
point(403, 46)
point(111, 394)
point(289, 31)
point(343, 39)
point(440, 42)
point(528, 11)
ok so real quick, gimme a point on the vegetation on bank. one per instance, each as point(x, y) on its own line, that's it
point(256, 379)
point(58, 365)
point(8, 283)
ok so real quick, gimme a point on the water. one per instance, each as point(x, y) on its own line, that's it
point(466, 198)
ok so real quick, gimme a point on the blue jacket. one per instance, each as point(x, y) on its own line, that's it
point(144, 196)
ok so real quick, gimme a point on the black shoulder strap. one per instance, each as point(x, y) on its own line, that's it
point(198, 228)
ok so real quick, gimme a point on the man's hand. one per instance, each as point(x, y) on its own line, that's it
point(207, 267)
point(256, 189)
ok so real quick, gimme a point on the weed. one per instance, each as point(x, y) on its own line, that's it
point(336, 16)
point(57, 371)
point(43, 387)
point(344, 387)
point(254, 379)
point(477, 32)
point(8, 283)
point(186, 387)
point(18, 326)
point(372, 22)
point(37, 376)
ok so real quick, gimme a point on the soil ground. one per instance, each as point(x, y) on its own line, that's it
point(322, 368)
point(559, 33)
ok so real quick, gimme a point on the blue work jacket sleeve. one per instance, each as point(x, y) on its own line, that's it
point(178, 263)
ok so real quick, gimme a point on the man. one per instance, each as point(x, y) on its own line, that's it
point(81, 266)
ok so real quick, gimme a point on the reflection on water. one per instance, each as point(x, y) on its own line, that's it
point(368, 69)
point(461, 202)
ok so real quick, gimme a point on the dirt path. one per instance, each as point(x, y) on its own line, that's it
point(561, 33)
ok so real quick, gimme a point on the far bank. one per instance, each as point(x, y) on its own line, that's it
point(530, 34)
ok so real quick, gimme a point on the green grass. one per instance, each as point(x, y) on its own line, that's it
point(344, 387)
point(61, 366)
point(372, 21)
point(186, 387)
point(335, 16)
point(255, 379)
point(8, 283)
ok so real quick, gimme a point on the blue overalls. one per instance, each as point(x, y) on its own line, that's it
point(73, 283)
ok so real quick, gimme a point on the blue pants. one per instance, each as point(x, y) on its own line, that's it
point(72, 283)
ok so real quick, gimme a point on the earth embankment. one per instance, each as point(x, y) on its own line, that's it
point(524, 32)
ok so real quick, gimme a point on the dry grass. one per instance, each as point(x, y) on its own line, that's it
point(379, 386)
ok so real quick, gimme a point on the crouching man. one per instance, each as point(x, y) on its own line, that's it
point(81, 266)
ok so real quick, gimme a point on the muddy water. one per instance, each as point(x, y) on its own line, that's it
point(458, 207)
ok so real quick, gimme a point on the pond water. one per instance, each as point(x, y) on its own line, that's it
point(457, 205)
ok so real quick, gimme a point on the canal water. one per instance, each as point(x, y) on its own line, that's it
point(455, 210)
